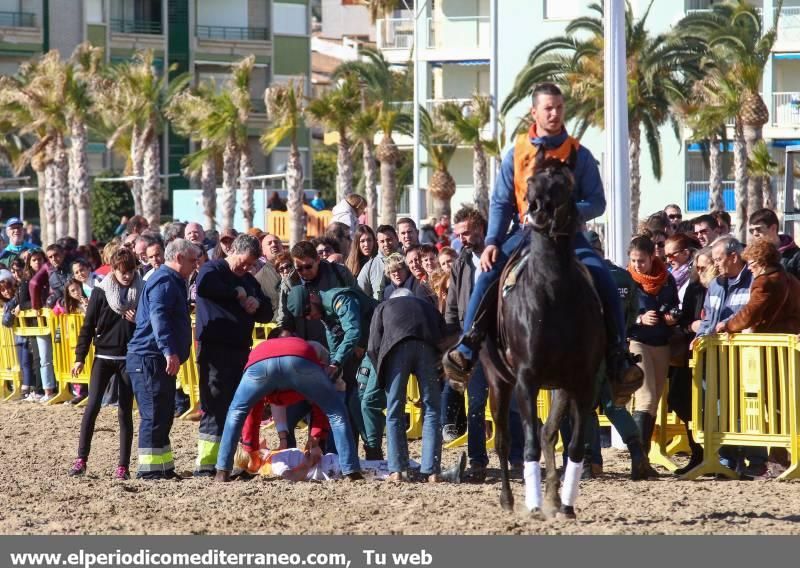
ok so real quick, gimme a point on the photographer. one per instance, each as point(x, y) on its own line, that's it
point(649, 336)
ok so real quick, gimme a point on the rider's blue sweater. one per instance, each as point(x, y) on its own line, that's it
point(590, 197)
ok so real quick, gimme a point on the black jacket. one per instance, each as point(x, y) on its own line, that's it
point(220, 318)
point(692, 307)
point(399, 319)
point(462, 281)
point(109, 330)
point(656, 335)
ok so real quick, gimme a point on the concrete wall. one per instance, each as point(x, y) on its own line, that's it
point(66, 26)
point(231, 13)
point(345, 20)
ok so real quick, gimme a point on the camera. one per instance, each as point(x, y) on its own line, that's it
point(675, 313)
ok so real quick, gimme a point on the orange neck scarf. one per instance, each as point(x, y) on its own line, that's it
point(653, 282)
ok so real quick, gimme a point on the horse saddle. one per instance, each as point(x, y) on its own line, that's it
point(513, 269)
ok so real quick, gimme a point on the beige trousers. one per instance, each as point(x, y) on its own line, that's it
point(655, 366)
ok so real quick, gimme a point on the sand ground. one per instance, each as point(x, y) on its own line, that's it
point(38, 443)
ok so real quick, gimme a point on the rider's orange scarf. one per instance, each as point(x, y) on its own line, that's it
point(653, 282)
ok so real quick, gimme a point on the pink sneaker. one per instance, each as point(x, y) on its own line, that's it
point(122, 473)
point(78, 467)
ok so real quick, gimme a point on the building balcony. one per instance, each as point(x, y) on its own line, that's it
point(230, 33)
point(471, 32)
point(697, 196)
point(788, 25)
point(432, 104)
point(146, 27)
point(395, 33)
point(786, 109)
point(17, 20)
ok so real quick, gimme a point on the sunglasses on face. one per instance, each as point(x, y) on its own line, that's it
point(285, 268)
point(671, 255)
point(675, 216)
point(304, 267)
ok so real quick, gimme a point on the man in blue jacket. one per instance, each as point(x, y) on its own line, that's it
point(547, 139)
point(160, 344)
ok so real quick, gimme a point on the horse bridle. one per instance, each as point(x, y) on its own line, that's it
point(553, 231)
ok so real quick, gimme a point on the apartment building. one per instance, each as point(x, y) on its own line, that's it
point(200, 36)
point(465, 46)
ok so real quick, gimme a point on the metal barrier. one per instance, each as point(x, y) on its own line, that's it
point(66, 329)
point(10, 370)
point(316, 222)
point(745, 393)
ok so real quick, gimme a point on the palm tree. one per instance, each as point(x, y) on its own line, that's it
point(285, 113)
point(33, 103)
point(187, 112)
point(761, 168)
point(335, 110)
point(658, 69)
point(467, 122)
point(388, 155)
point(732, 33)
point(365, 127)
point(79, 74)
point(379, 82)
point(440, 144)
point(132, 97)
point(239, 86)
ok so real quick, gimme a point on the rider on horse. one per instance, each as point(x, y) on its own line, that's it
point(546, 139)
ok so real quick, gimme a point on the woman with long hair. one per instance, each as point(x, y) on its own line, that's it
point(680, 250)
point(650, 335)
point(365, 247)
point(109, 324)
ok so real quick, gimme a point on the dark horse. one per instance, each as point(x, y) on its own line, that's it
point(549, 334)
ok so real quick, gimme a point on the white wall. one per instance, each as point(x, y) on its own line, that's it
point(351, 20)
point(290, 19)
point(231, 13)
point(786, 73)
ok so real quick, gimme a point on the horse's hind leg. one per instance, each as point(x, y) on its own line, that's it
point(579, 413)
point(526, 398)
point(501, 405)
point(552, 503)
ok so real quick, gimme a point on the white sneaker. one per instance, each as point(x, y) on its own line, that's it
point(46, 398)
point(31, 397)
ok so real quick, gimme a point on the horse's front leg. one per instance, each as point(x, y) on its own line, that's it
point(579, 413)
point(526, 399)
point(501, 405)
point(552, 503)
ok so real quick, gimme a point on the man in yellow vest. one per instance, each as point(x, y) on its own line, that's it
point(546, 139)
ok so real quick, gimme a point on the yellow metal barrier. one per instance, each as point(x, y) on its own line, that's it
point(745, 393)
point(189, 380)
point(413, 409)
point(10, 370)
point(261, 331)
point(66, 329)
point(316, 222)
point(31, 323)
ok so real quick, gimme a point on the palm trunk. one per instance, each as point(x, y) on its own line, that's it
point(151, 190)
point(755, 200)
point(80, 182)
point(294, 197)
point(137, 168)
point(245, 171)
point(740, 177)
point(634, 155)
point(230, 170)
point(388, 183)
point(769, 194)
point(208, 181)
point(60, 181)
point(344, 168)
point(41, 194)
point(480, 177)
point(370, 181)
point(716, 199)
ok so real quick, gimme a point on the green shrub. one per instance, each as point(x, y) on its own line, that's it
point(110, 201)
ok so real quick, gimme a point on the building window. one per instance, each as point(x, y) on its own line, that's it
point(562, 9)
point(290, 19)
point(94, 12)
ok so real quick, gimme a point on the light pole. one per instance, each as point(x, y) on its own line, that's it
point(617, 174)
point(413, 199)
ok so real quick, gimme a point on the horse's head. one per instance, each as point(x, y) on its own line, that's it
point(552, 208)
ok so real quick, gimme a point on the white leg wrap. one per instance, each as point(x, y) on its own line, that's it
point(572, 481)
point(533, 485)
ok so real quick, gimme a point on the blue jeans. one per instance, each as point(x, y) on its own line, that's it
point(287, 373)
point(478, 396)
point(418, 358)
point(603, 283)
point(46, 361)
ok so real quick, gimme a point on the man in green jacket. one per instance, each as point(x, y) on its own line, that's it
point(346, 314)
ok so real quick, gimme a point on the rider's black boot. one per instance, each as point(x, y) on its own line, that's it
point(646, 422)
point(455, 474)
